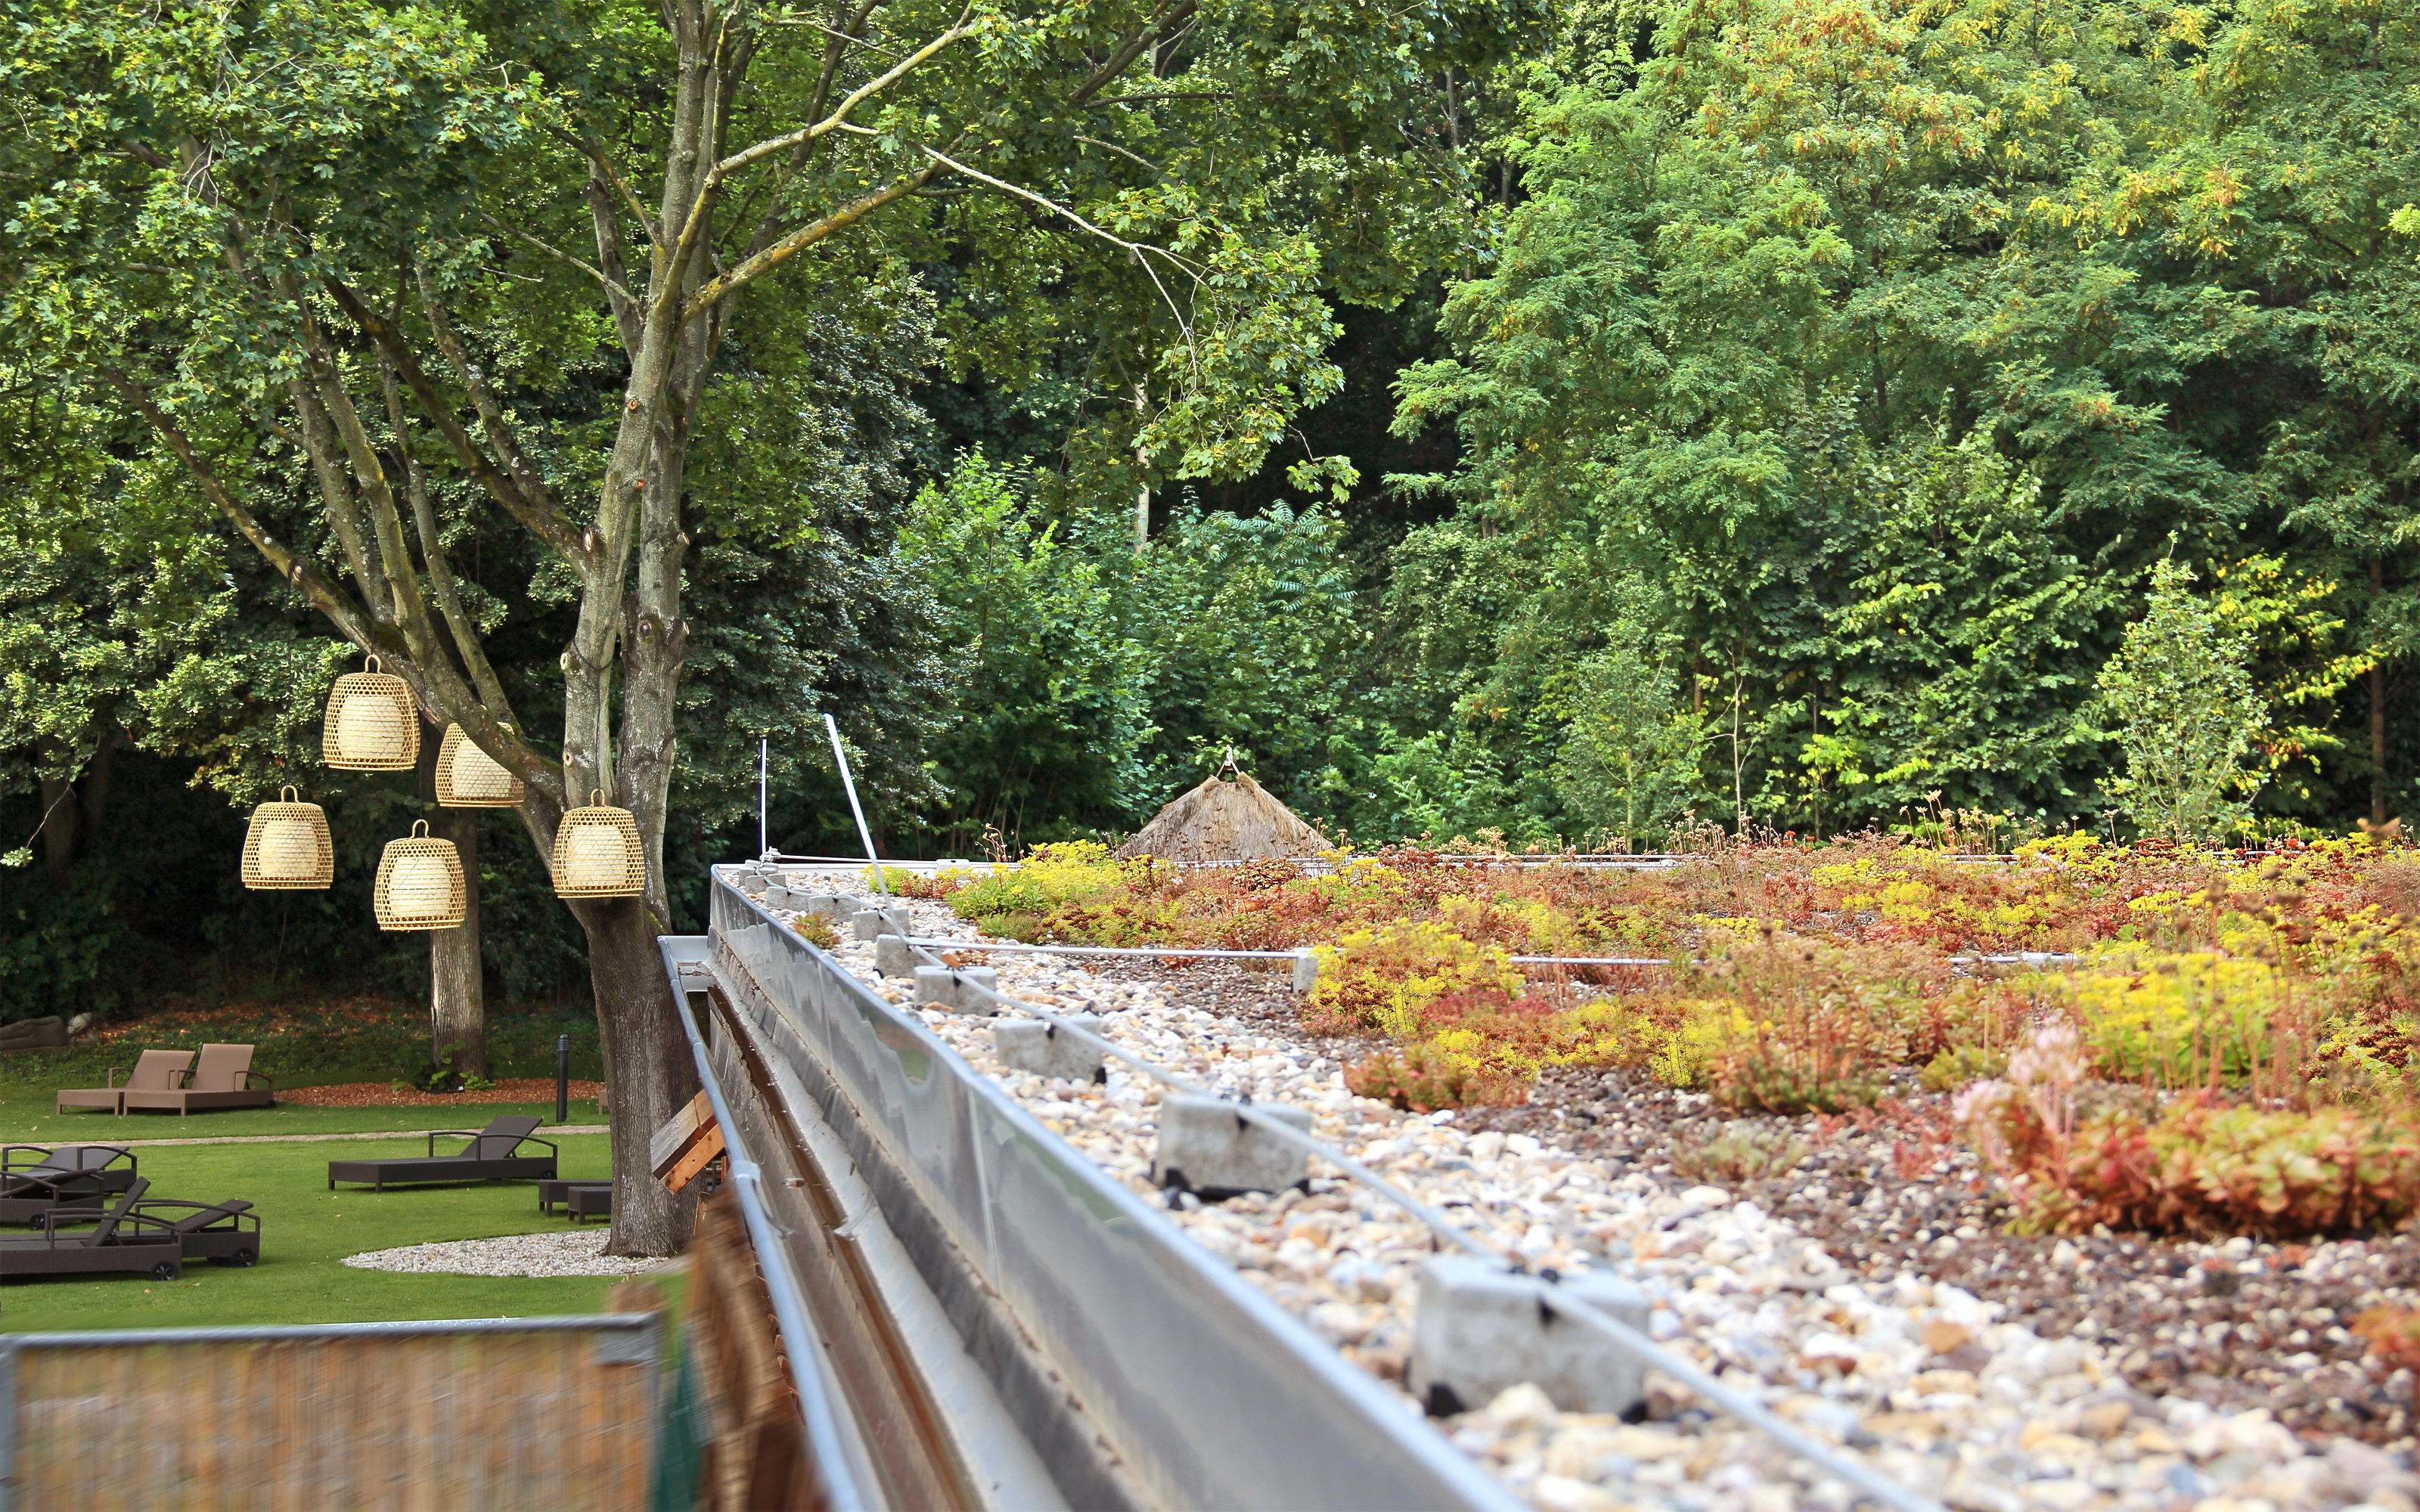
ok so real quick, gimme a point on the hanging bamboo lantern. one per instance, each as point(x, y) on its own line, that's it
point(372, 725)
point(469, 778)
point(287, 848)
point(597, 853)
point(419, 883)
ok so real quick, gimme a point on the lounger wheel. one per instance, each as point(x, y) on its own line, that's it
point(165, 1271)
point(243, 1260)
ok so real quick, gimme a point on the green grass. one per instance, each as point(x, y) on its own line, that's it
point(305, 1231)
point(29, 1115)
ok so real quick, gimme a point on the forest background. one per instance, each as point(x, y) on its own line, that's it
point(1773, 412)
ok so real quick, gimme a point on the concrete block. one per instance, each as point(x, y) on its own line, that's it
point(948, 988)
point(1030, 1045)
point(1480, 1329)
point(893, 956)
point(874, 923)
point(840, 907)
point(1306, 970)
point(1207, 1147)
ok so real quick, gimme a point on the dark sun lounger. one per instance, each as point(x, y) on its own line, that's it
point(70, 1176)
point(491, 1156)
point(229, 1231)
point(95, 1243)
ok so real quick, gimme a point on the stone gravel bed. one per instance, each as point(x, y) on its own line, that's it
point(573, 1252)
point(1928, 1382)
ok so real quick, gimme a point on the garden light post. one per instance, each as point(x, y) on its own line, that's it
point(563, 1078)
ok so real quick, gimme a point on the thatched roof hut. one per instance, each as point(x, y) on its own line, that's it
point(1222, 821)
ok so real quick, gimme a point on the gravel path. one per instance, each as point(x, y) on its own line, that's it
point(568, 1252)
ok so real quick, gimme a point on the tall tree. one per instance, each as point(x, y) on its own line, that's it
point(359, 233)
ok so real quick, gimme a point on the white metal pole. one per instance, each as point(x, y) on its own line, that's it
point(840, 759)
point(764, 846)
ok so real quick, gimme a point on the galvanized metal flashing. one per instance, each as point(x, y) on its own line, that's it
point(1210, 1394)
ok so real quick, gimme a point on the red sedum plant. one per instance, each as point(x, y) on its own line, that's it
point(2197, 1168)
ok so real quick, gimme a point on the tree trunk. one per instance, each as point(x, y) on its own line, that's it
point(2376, 708)
point(456, 1008)
point(457, 997)
point(58, 828)
point(649, 1075)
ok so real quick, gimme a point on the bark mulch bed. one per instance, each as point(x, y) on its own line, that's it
point(382, 1095)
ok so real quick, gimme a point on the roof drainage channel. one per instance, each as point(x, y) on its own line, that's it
point(925, 1427)
point(1204, 1392)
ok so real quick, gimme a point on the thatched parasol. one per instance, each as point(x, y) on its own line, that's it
point(1222, 821)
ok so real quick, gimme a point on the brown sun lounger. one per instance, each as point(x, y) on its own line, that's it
point(229, 1231)
point(70, 1176)
point(551, 1194)
point(491, 1156)
point(155, 1071)
point(97, 1243)
point(222, 1078)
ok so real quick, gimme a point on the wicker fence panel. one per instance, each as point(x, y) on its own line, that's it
point(406, 1423)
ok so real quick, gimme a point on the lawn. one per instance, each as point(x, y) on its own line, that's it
point(305, 1232)
point(29, 1115)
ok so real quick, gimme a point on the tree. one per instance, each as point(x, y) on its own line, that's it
point(339, 233)
point(1629, 761)
point(2180, 698)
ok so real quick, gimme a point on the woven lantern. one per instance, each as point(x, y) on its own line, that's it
point(373, 725)
point(597, 853)
point(419, 883)
point(287, 846)
point(469, 778)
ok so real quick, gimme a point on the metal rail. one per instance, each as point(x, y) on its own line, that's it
point(834, 1457)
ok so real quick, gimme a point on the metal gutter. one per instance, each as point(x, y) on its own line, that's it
point(835, 1457)
point(1207, 1394)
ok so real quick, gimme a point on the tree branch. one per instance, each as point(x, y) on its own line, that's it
point(327, 596)
point(601, 166)
point(764, 262)
point(1131, 49)
point(464, 634)
point(532, 506)
point(608, 257)
point(839, 113)
point(612, 286)
point(1171, 94)
point(540, 512)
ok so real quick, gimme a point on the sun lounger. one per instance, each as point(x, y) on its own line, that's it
point(222, 1078)
point(70, 1176)
point(551, 1194)
point(155, 1071)
point(491, 1156)
point(229, 1231)
point(95, 1243)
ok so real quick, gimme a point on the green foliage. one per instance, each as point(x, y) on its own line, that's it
point(1738, 1152)
point(2208, 1171)
point(1071, 871)
point(1629, 760)
point(2179, 696)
